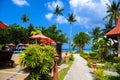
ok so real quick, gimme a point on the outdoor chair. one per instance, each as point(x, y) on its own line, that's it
point(5, 58)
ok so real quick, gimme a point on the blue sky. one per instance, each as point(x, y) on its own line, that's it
point(89, 13)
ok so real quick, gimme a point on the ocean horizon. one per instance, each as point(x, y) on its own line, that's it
point(75, 50)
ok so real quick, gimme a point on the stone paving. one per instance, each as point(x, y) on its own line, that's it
point(79, 70)
point(15, 73)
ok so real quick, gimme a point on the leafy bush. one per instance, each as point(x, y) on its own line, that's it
point(71, 56)
point(117, 66)
point(110, 77)
point(116, 59)
point(98, 73)
point(108, 65)
point(93, 54)
point(40, 61)
point(89, 64)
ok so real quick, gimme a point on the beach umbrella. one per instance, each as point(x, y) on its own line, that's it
point(3, 25)
point(27, 44)
point(21, 44)
point(48, 41)
point(11, 45)
point(38, 37)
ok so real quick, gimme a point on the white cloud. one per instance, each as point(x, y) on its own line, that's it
point(89, 12)
point(61, 19)
point(20, 2)
point(49, 16)
point(52, 5)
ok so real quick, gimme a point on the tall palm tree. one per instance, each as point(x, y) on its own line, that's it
point(80, 40)
point(24, 19)
point(71, 19)
point(58, 11)
point(113, 11)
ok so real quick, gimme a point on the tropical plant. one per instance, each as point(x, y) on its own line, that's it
point(80, 40)
point(96, 33)
point(98, 74)
point(116, 59)
point(54, 34)
point(102, 47)
point(71, 19)
point(24, 19)
point(14, 34)
point(40, 61)
point(58, 11)
point(113, 11)
point(117, 66)
point(36, 31)
point(71, 56)
point(107, 28)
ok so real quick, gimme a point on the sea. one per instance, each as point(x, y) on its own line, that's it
point(85, 50)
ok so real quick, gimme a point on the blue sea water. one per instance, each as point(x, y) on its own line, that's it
point(16, 52)
point(85, 50)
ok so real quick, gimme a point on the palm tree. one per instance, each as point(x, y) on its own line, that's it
point(107, 28)
point(24, 18)
point(80, 40)
point(113, 11)
point(96, 33)
point(71, 19)
point(57, 12)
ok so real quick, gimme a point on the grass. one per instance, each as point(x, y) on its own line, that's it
point(63, 72)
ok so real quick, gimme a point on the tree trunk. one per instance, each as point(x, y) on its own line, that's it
point(118, 46)
point(80, 49)
point(70, 37)
point(56, 21)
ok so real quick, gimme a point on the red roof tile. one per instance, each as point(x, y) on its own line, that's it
point(3, 25)
point(116, 30)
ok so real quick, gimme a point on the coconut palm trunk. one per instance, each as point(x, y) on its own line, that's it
point(56, 21)
point(70, 36)
point(71, 19)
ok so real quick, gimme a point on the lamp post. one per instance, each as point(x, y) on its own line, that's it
point(55, 73)
point(94, 66)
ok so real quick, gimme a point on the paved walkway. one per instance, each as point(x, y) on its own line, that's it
point(15, 73)
point(79, 70)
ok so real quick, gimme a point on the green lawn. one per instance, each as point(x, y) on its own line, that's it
point(63, 72)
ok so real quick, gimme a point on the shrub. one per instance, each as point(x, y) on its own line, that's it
point(117, 66)
point(108, 65)
point(40, 61)
point(89, 64)
point(71, 56)
point(98, 74)
point(116, 59)
point(93, 54)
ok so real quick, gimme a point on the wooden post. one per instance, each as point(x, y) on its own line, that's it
point(118, 46)
point(55, 72)
point(94, 66)
point(59, 52)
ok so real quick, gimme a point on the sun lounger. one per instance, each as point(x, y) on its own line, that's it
point(5, 58)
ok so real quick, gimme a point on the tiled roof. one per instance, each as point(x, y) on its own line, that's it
point(116, 30)
point(3, 25)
